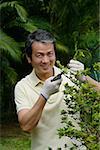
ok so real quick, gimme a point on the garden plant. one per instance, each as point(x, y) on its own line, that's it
point(82, 100)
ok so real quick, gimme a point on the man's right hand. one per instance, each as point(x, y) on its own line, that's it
point(50, 87)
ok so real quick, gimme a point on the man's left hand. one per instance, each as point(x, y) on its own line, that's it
point(75, 66)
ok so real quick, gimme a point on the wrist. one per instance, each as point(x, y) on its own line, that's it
point(82, 78)
point(45, 97)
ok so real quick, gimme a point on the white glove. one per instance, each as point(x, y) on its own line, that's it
point(75, 66)
point(50, 88)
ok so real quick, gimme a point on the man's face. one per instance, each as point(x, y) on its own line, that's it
point(43, 57)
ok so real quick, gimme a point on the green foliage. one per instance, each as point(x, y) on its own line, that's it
point(15, 5)
point(10, 52)
point(97, 66)
point(9, 46)
point(89, 39)
point(89, 54)
point(62, 47)
point(76, 22)
point(83, 56)
point(31, 24)
point(15, 143)
point(10, 73)
point(83, 99)
point(89, 42)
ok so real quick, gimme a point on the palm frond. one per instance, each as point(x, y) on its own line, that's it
point(20, 9)
point(28, 26)
point(9, 72)
point(61, 47)
point(21, 12)
point(35, 23)
point(31, 24)
point(10, 46)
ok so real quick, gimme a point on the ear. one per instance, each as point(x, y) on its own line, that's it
point(28, 59)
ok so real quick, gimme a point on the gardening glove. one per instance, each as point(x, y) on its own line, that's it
point(50, 87)
point(75, 66)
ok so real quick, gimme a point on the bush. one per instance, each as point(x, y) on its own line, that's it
point(83, 99)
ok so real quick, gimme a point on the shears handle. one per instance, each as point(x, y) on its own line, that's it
point(57, 77)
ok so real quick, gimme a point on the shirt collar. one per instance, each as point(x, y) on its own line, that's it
point(35, 79)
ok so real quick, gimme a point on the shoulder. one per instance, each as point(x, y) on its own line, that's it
point(23, 81)
point(57, 70)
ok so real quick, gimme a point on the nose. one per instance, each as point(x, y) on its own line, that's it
point(45, 59)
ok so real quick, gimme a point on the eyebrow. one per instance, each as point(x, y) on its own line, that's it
point(44, 51)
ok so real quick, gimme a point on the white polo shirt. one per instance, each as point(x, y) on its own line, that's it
point(45, 135)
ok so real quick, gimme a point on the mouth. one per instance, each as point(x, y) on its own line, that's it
point(45, 67)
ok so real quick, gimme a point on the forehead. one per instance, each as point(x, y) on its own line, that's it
point(39, 46)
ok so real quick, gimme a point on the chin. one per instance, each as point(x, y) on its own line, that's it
point(46, 70)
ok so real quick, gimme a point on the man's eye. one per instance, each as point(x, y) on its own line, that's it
point(39, 55)
point(50, 54)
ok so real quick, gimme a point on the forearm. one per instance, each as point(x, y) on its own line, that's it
point(30, 119)
point(94, 83)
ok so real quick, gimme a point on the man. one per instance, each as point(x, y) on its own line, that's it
point(39, 100)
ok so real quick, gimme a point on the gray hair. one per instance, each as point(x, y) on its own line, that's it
point(39, 35)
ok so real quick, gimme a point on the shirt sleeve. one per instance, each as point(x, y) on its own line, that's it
point(20, 97)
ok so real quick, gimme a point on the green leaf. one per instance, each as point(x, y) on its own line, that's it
point(21, 12)
point(62, 47)
point(15, 5)
point(10, 46)
point(10, 73)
